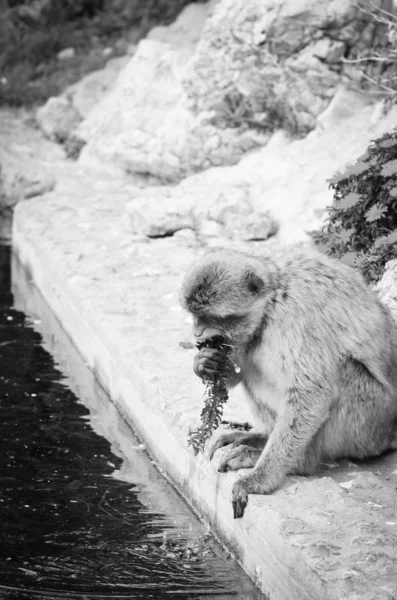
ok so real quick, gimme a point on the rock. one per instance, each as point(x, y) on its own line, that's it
point(57, 118)
point(144, 126)
point(86, 94)
point(279, 192)
point(259, 65)
point(277, 57)
point(38, 187)
point(66, 54)
point(186, 30)
point(387, 287)
point(255, 226)
point(207, 209)
point(291, 180)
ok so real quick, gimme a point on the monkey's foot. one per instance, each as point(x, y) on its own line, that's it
point(240, 491)
point(244, 485)
point(240, 457)
point(237, 438)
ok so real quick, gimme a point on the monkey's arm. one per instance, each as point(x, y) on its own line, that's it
point(306, 409)
point(210, 363)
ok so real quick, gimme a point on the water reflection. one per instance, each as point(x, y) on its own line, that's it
point(83, 511)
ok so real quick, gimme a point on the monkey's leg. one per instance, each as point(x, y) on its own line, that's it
point(361, 421)
point(303, 415)
point(238, 438)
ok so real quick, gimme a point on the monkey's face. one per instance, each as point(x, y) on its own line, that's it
point(225, 298)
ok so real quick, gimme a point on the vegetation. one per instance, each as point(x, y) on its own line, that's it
point(375, 68)
point(33, 32)
point(362, 222)
point(215, 397)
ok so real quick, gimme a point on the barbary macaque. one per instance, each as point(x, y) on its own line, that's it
point(316, 354)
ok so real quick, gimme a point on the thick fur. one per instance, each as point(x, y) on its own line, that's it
point(318, 358)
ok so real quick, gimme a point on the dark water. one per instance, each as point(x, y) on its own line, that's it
point(83, 511)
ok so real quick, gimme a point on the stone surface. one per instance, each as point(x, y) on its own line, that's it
point(57, 118)
point(209, 203)
point(259, 65)
point(286, 181)
point(28, 162)
point(280, 58)
point(144, 127)
point(387, 287)
point(90, 90)
point(186, 30)
point(331, 536)
point(66, 54)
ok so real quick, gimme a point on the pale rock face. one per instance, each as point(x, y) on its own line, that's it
point(282, 57)
point(183, 107)
point(57, 118)
point(90, 90)
point(387, 287)
point(212, 209)
point(185, 31)
point(278, 192)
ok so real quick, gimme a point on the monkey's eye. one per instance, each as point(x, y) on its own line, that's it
point(230, 320)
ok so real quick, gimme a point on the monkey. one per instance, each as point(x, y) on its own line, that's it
point(316, 352)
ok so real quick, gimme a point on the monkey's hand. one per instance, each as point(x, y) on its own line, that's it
point(238, 438)
point(212, 363)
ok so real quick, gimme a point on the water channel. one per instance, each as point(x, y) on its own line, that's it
point(84, 513)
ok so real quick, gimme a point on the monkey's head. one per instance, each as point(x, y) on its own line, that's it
point(226, 292)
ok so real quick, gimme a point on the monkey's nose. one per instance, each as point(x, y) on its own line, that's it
point(204, 333)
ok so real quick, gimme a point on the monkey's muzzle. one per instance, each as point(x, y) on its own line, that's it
point(216, 341)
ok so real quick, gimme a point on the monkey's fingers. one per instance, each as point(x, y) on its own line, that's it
point(241, 457)
point(205, 367)
point(224, 440)
point(239, 499)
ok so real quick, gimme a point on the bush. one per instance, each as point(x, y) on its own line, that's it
point(376, 65)
point(361, 227)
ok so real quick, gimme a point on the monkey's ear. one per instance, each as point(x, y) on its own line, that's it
point(254, 283)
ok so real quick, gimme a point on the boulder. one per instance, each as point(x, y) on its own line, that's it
point(278, 192)
point(58, 118)
point(212, 204)
point(145, 126)
point(276, 59)
point(259, 65)
point(387, 287)
point(186, 30)
point(90, 90)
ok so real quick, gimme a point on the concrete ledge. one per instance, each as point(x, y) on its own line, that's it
point(117, 300)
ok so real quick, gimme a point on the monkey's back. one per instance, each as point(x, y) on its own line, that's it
point(326, 304)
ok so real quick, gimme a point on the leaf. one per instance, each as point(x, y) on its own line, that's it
point(375, 212)
point(388, 143)
point(337, 178)
point(392, 237)
point(350, 200)
point(393, 192)
point(346, 234)
point(356, 169)
point(389, 168)
point(350, 259)
point(380, 241)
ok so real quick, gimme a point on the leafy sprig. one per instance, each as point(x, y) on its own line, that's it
point(215, 397)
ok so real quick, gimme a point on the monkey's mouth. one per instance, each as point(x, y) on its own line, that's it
point(216, 341)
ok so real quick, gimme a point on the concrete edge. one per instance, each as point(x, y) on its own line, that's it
point(252, 543)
